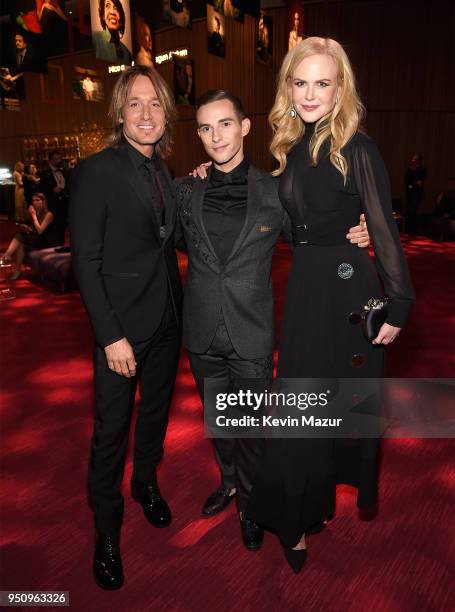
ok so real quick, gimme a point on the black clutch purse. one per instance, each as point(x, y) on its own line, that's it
point(374, 314)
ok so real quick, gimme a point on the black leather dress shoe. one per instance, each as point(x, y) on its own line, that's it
point(107, 563)
point(155, 508)
point(252, 534)
point(217, 501)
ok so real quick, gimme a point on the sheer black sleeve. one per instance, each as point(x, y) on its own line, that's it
point(373, 186)
point(286, 230)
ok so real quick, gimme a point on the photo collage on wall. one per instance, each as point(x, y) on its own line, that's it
point(38, 29)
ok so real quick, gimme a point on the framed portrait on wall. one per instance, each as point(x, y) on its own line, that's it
point(216, 43)
point(177, 12)
point(144, 45)
point(264, 42)
point(21, 50)
point(111, 30)
point(11, 91)
point(295, 25)
point(45, 24)
point(87, 85)
point(183, 81)
point(227, 8)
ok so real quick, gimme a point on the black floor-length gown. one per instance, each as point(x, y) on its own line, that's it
point(329, 280)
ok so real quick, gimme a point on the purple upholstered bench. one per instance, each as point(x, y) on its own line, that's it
point(51, 266)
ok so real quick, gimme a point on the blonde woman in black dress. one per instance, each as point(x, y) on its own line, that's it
point(329, 172)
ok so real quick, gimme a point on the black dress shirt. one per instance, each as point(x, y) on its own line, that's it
point(225, 207)
point(149, 182)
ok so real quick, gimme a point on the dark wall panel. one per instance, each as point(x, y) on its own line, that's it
point(402, 53)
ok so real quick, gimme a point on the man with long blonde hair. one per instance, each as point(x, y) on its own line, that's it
point(122, 218)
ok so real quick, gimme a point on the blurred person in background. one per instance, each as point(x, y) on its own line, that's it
point(38, 233)
point(444, 212)
point(54, 184)
point(31, 182)
point(414, 180)
point(19, 199)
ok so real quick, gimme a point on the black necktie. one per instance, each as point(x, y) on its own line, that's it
point(152, 172)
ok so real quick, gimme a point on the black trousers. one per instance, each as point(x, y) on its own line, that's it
point(237, 458)
point(157, 360)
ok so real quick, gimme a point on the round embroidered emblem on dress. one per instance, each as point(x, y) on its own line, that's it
point(357, 360)
point(345, 270)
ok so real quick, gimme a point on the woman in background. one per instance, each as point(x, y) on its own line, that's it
point(329, 172)
point(31, 181)
point(19, 198)
point(39, 234)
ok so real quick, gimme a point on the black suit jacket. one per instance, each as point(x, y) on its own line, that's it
point(241, 287)
point(47, 184)
point(122, 266)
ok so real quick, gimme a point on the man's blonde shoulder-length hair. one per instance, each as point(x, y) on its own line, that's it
point(338, 126)
point(120, 96)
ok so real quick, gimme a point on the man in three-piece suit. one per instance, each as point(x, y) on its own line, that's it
point(231, 221)
point(122, 218)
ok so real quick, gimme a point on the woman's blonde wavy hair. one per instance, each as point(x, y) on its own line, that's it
point(338, 126)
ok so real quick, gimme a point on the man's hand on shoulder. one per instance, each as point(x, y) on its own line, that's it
point(359, 234)
point(120, 358)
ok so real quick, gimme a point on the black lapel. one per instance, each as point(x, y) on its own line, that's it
point(255, 195)
point(131, 174)
point(197, 205)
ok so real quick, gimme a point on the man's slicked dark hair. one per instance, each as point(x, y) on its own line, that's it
point(215, 95)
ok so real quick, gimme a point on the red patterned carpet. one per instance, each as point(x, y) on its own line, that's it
point(400, 561)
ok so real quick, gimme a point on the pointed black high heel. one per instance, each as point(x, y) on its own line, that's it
point(295, 558)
